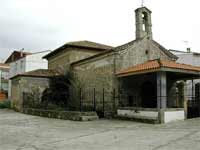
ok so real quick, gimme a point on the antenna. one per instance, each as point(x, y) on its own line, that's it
point(21, 52)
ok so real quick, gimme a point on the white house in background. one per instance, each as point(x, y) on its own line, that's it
point(191, 58)
point(28, 63)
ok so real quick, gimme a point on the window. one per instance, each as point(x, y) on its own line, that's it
point(145, 20)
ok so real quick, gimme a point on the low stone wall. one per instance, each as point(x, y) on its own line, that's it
point(66, 115)
point(139, 114)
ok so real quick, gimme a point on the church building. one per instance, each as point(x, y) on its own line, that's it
point(139, 80)
point(143, 74)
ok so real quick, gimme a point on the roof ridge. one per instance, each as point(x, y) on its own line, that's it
point(89, 45)
point(166, 51)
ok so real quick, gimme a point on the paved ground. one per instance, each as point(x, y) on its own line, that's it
point(24, 132)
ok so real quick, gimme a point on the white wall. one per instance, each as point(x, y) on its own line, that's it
point(35, 61)
point(17, 67)
point(170, 116)
point(188, 58)
point(4, 79)
point(29, 63)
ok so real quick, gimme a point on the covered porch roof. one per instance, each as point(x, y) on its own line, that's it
point(179, 70)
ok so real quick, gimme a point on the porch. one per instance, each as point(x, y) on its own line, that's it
point(155, 91)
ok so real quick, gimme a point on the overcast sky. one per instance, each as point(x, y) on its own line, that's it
point(37, 25)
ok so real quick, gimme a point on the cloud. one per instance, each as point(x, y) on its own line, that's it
point(47, 24)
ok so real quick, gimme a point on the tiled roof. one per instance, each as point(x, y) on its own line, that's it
point(16, 55)
point(125, 46)
point(81, 44)
point(6, 66)
point(171, 64)
point(155, 65)
point(91, 57)
point(43, 73)
point(90, 44)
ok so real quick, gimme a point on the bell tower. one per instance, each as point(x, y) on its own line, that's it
point(143, 23)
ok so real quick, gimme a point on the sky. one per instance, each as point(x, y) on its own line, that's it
point(38, 25)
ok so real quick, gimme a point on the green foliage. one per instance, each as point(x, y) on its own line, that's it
point(4, 104)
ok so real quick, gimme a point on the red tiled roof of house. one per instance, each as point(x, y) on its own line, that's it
point(155, 65)
point(171, 64)
point(16, 55)
point(6, 66)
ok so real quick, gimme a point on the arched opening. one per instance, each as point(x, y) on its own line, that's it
point(145, 20)
point(197, 92)
point(194, 103)
point(148, 95)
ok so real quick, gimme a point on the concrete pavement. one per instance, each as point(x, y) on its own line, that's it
point(24, 132)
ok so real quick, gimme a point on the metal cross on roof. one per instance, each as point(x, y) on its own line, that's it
point(142, 3)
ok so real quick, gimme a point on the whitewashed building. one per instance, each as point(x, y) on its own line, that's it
point(4, 71)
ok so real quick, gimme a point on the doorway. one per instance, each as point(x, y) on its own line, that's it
point(148, 95)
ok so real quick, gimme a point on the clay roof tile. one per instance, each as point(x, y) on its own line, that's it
point(154, 65)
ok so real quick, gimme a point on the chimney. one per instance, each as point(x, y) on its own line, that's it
point(21, 52)
point(188, 50)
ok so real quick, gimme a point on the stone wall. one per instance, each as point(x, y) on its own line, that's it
point(100, 72)
point(68, 56)
point(22, 85)
point(97, 74)
point(138, 52)
point(65, 115)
